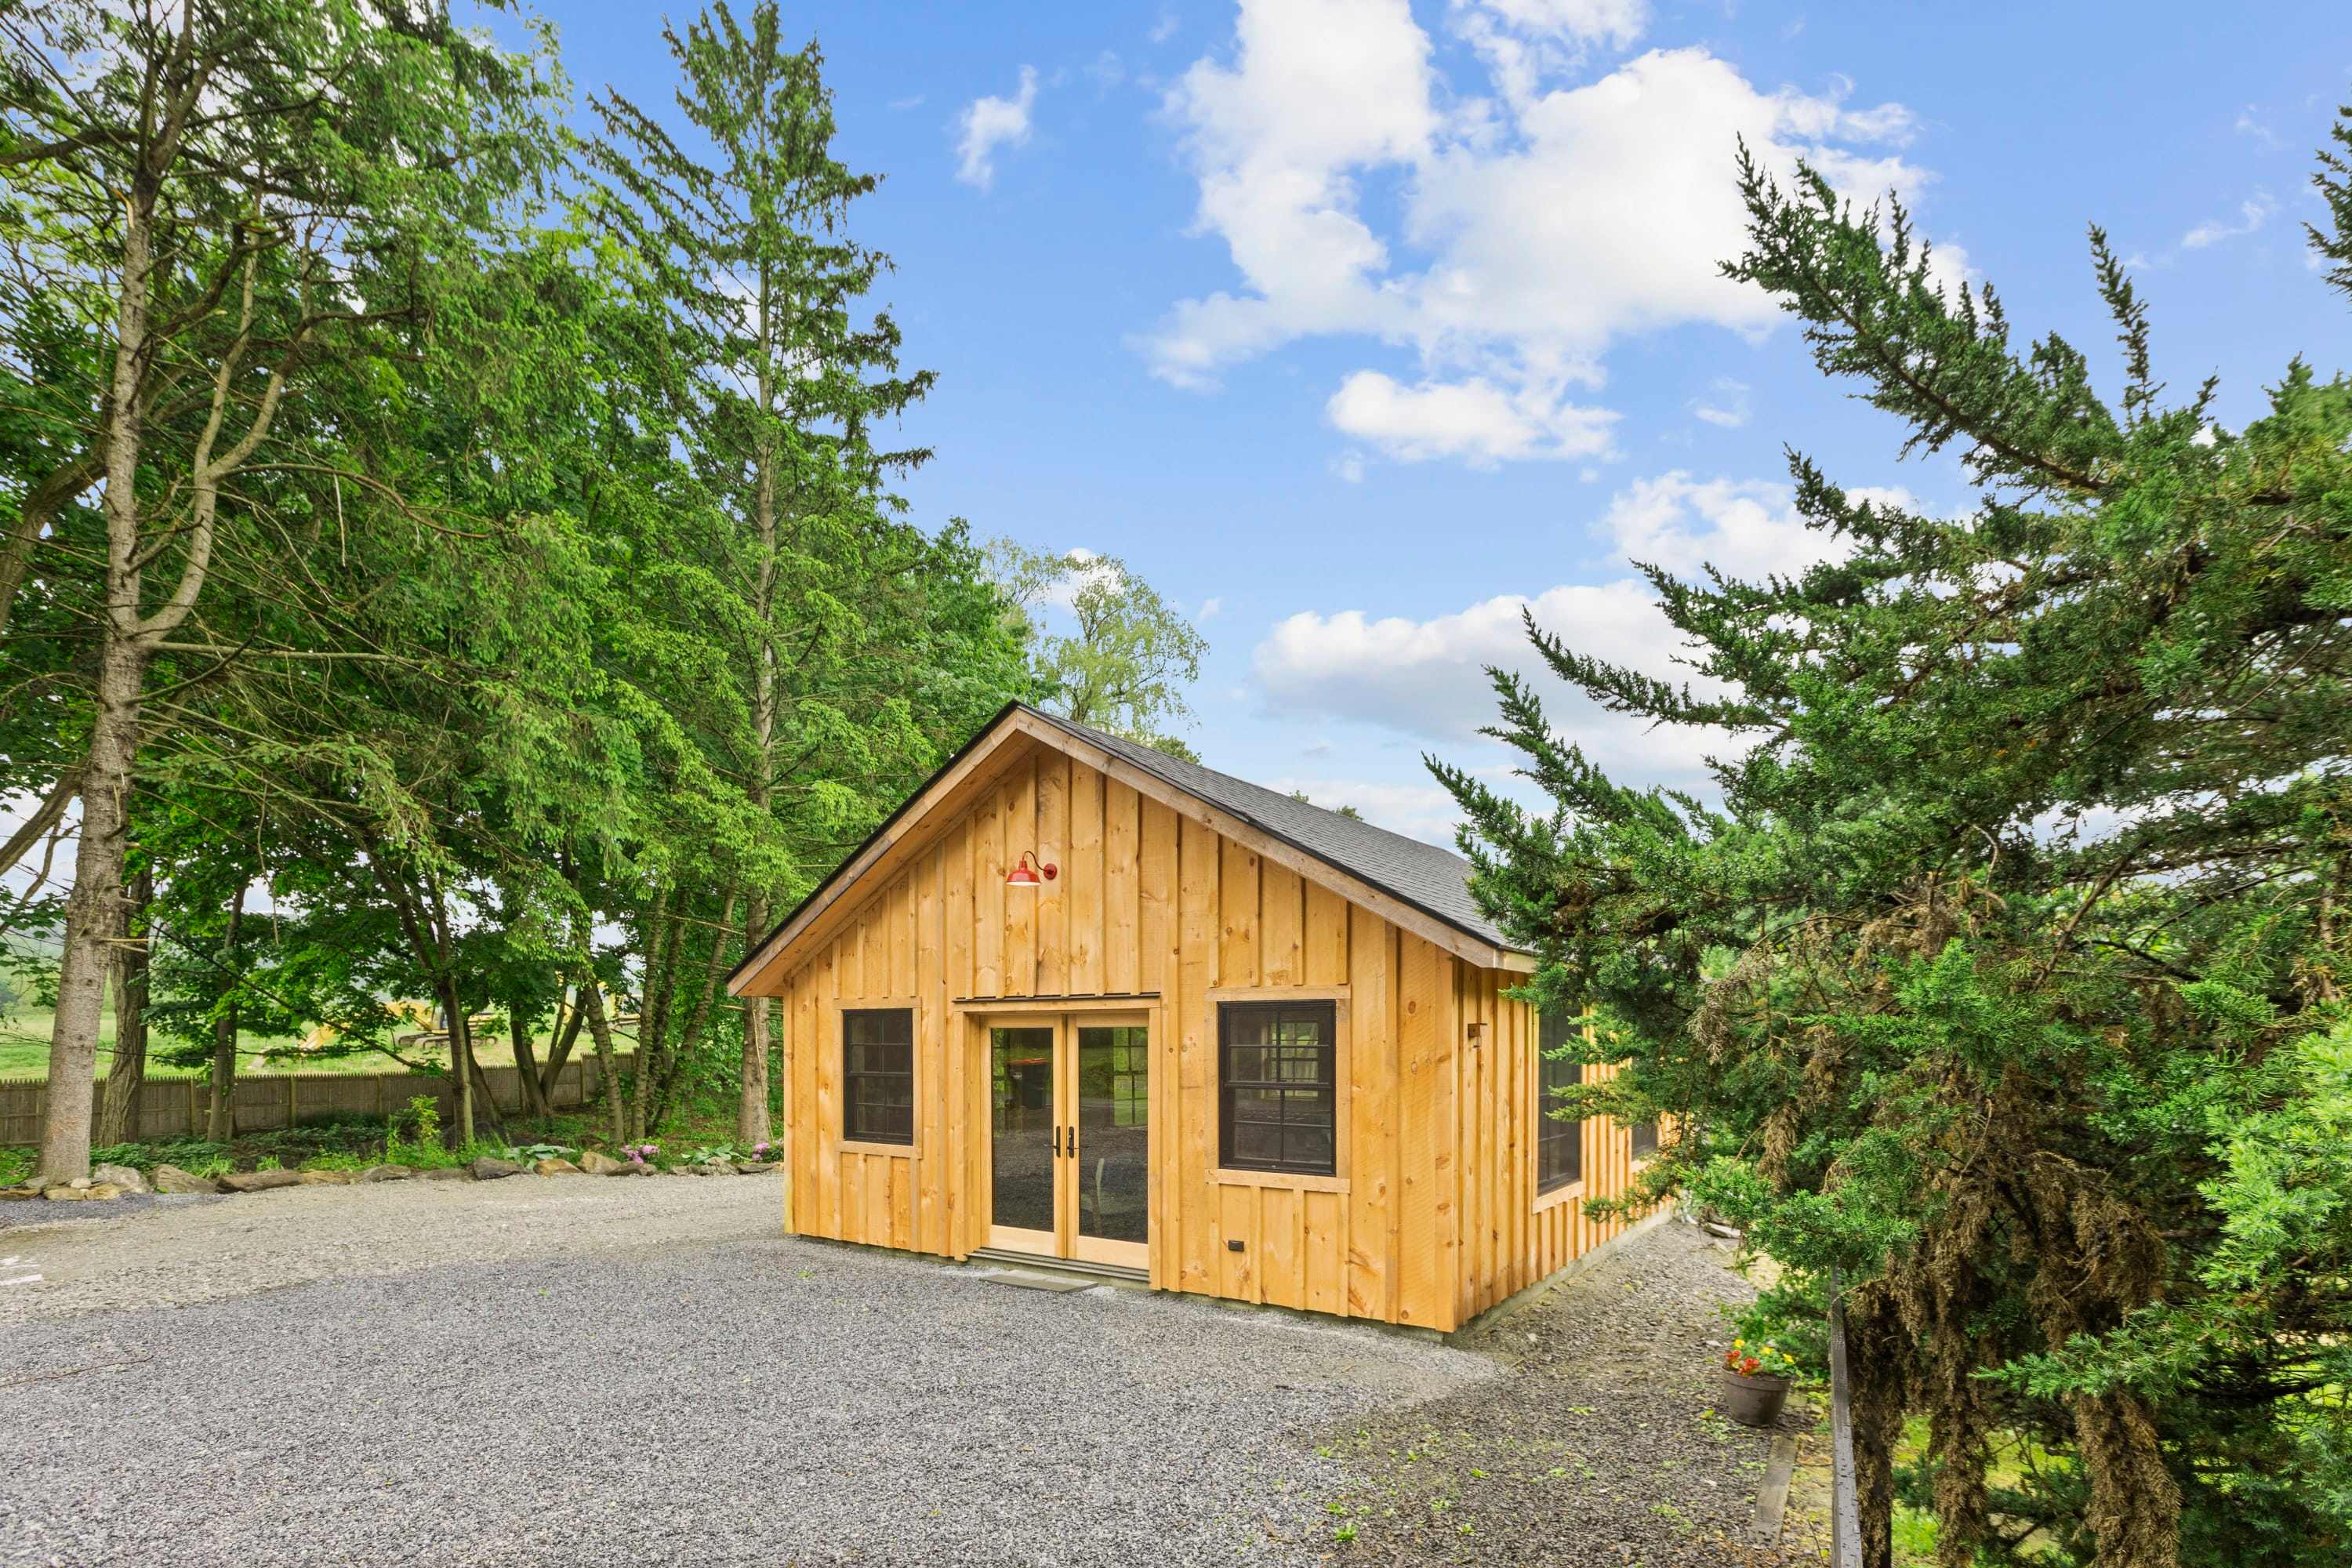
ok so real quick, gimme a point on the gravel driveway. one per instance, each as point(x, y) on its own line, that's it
point(543, 1371)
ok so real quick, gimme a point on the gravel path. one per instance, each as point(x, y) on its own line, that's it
point(1598, 1445)
point(156, 1252)
point(538, 1370)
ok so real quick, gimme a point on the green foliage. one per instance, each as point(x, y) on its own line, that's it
point(2004, 972)
point(334, 1139)
point(413, 1137)
point(1790, 1314)
point(559, 627)
point(1125, 664)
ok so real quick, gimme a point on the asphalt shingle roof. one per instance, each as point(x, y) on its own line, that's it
point(1434, 881)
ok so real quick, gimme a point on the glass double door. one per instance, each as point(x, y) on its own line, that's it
point(1070, 1138)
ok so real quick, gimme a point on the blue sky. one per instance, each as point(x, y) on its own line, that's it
point(1343, 323)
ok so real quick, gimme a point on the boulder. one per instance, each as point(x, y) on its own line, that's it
point(597, 1164)
point(444, 1174)
point(386, 1173)
point(755, 1167)
point(489, 1170)
point(328, 1178)
point(260, 1180)
point(554, 1167)
point(172, 1179)
point(716, 1168)
point(82, 1190)
point(123, 1176)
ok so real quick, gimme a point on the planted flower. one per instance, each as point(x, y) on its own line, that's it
point(1756, 1382)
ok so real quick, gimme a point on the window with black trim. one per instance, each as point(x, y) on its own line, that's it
point(1560, 1141)
point(1277, 1080)
point(1645, 1140)
point(877, 1075)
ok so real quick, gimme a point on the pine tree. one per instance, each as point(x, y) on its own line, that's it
point(787, 380)
point(2005, 972)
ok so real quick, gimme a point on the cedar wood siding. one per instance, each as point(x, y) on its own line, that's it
point(1432, 1217)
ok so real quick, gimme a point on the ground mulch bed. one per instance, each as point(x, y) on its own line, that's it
point(1597, 1445)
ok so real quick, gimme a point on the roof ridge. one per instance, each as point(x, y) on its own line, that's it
point(1361, 822)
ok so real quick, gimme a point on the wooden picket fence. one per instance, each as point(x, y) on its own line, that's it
point(179, 1107)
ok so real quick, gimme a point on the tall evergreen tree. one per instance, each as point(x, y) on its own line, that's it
point(791, 380)
point(2008, 976)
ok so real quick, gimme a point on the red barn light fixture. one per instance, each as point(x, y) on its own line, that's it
point(1023, 875)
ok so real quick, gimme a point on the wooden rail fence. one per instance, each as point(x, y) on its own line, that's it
point(179, 1108)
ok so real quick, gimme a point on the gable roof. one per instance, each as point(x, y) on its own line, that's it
point(1434, 880)
point(1426, 880)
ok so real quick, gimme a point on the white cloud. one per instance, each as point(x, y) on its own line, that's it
point(1726, 405)
point(1743, 528)
point(1618, 22)
point(2250, 124)
point(1211, 608)
point(1163, 29)
point(1523, 42)
point(1348, 467)
point(1418, 811)
point(1511, 265)
point(1427, 678)
point(1473, 420)
point(2253, 212)
point(988, 124)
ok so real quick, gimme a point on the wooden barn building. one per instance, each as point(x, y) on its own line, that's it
point(1081, 1001)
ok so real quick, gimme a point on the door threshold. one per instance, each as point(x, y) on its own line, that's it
point(1114, 1272)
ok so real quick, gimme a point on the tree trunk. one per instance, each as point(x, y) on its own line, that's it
point(461, 1057)
point(126, 1076)
point(751, 1095)
point(1877, 1348)
point(751, 1125)
point(559, 1054)
point(95, 911)
point(220, 1125)
point(591, 999)
point(663, 935)
point(534, 1094)
point(486, 1100)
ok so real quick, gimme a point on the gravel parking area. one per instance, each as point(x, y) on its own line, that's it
point(538, 1370)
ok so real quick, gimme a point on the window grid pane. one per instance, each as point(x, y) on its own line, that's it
point(1559, 1142)
point(1279, 1097)
point(877, 1077)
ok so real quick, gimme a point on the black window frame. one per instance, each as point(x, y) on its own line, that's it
point(855, 1082)
point(1323, 1089)
point(1644, 1139)
point(1560, 1141)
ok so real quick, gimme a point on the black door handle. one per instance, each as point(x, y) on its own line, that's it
point(1074, 1142)
point(1057, 1142)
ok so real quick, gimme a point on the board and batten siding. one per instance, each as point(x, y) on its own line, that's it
point(1433, 1216)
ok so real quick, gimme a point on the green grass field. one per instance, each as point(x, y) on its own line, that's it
point(24, 1052)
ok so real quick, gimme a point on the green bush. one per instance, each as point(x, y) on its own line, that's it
point(412, 1138)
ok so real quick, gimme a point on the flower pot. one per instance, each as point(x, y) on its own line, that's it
point(1753, 1401)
